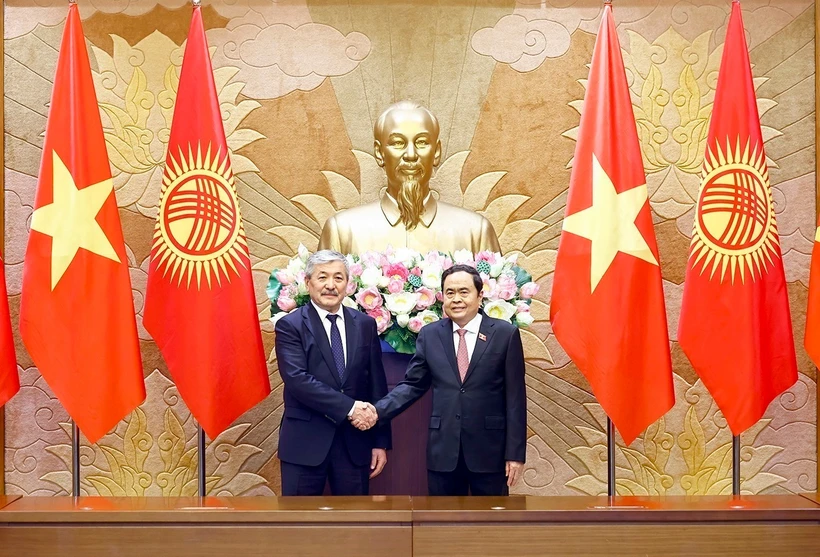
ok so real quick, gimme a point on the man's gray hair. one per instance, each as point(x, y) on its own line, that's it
point(378, 128)
point(325, 256)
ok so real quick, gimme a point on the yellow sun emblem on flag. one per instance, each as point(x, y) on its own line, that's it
point(735, 228)
point(199, 232)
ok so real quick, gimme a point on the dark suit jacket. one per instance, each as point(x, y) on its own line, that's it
point(486, 415)
point(316, 401)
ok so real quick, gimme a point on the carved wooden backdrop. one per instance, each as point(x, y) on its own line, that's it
point(300, 83)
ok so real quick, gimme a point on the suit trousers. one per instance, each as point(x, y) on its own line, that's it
point(344, 477)
point(461, 480)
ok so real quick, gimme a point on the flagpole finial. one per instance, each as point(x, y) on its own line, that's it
point(196, 3)
point(72, 2)
point(607, 2)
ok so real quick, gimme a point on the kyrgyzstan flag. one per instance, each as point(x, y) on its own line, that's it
point(735, 325)
point(607, 308)
point(200, 305)
point(77, 314)
point(9, 380)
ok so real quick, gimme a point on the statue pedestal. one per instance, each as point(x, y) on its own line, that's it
point(406, 470)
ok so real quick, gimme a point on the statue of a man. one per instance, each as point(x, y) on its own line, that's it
point(407, 146)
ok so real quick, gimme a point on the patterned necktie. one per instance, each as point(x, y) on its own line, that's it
point(463, 359)
point(336, 345)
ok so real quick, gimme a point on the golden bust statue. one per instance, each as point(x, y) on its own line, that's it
point(407, 146)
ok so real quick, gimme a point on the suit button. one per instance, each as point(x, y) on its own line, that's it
point(458, 416)
point(463, 390)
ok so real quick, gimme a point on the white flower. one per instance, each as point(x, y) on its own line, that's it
point(462, 256)
point(500, 309)
point(371, 277)
point(383, 281)
point(512, 259)
point(405, 256)
point(428, 316)
point(296, 266)
point(403, 319)
point(496, 268)
point(524, 319)
point(303, 253)
point(403, 302)
point(302, 287)
point(431, 277)
point(350, 302)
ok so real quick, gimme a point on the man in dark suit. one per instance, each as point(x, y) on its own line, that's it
point(331, 364)
point(475, 364)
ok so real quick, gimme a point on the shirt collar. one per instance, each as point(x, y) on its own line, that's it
point(390, 208)
point(323, 313)
point(472, 327)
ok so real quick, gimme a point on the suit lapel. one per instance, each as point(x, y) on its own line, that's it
point(485, 329)
point(446, 336)
point(351, 338)
point(314, 325)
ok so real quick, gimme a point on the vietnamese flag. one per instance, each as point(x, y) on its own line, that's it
point(200, 304)
point(9, 380)
point(77, 315)
point(735, 325)
point(607, 307)
point(812, 339)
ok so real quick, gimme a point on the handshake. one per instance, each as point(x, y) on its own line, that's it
point(364, 415)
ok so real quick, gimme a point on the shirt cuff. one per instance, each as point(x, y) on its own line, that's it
point(352, 408)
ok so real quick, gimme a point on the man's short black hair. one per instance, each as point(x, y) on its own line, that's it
point(478, 282)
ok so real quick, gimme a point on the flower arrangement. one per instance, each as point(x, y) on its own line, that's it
point(401, 289)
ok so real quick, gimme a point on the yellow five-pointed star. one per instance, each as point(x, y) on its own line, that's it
point(70, 220)
point(609, 224)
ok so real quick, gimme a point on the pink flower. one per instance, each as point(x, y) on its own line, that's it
point(427, 298)
point(529, 290)
point(395, 285)
point(490, 290)
point(415, 324)
point(369, 299)
point(370, 259)
point(447, 263)
point(290, 291)
point(285, 303)
point(506, 287)
point(415, 271)
point(356, 269)
point(487, 256)
point(439, 296)
point(351, 287)
point(396, 270)
point(522, 307)
point(284, 277)
point(382, 317)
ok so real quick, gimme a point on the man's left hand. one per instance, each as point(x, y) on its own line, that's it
point(514, 472)
point(377, 462)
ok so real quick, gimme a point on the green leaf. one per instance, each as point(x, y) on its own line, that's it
point(522, 277)
point(402, 340)
point(273, 289)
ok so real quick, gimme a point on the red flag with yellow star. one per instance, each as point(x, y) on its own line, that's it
point(77, 315)
point(607, 307)
point(812, 337)
point(735, 325)
point(9, 380)
point(200, 304)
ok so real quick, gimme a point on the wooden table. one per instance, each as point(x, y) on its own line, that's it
point(622, 526)
point(208, 527)
point(400, 526)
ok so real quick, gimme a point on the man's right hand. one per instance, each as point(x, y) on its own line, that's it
point(364, 415)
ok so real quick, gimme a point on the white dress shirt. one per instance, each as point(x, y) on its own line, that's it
point(470, 337)
point(340, 323)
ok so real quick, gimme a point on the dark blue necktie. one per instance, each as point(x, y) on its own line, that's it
point(336, 345)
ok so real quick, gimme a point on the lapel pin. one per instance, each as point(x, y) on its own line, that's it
point(482, 337)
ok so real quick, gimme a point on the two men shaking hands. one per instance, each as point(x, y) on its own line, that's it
point(336, 422)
